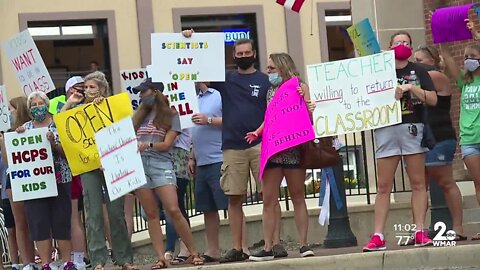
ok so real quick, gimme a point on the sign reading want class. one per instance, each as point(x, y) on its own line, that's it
point(354, 95)
point(23, 55)
point(30, 164)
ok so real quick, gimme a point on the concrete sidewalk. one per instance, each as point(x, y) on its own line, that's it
point(464, 256)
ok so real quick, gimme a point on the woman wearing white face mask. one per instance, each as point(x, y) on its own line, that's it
point(468, 81)
point(283, 164)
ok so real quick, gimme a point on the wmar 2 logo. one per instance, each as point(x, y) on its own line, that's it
point(443, 238)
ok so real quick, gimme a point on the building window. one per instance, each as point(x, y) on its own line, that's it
point(340, 45)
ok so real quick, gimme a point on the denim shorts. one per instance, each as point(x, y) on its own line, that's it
point(158, 173)
point(470, 150)
point(442, 154)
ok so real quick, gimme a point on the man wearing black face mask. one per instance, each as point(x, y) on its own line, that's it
point(244, 102)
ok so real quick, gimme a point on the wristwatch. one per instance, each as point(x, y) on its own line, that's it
point(209, 120)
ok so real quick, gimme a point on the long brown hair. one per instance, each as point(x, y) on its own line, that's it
point(163, 113)
point(285, 65)
point(23, 116)
point(468, 78)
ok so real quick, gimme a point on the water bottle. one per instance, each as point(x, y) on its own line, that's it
point(413, 80)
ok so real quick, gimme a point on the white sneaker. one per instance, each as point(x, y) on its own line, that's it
point(80, 266)
point(30, 267)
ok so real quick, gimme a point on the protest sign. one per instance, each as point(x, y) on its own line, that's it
point(30, 161)
point(448, 24)
point(177, 58)
point(364, 38)
point(130, 79)
point(121, 162)
point(4, 111)
point(287, 122)
point(23, 55)
point(183, 98)
point(77, 127)
point(354, 95)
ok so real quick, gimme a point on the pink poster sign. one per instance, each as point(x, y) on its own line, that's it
point(287, 122)
point(448, 24)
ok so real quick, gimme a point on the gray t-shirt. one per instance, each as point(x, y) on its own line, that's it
point(149, 133)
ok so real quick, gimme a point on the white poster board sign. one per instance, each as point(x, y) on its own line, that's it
point(131, 78)
point(183, 98)
point(121, 162)
point(354, 95)
point(27, 63)
point(177, 58)
point(4, 111)
point(31, 167)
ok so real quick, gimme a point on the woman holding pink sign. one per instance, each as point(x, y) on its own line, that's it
point(286, 164)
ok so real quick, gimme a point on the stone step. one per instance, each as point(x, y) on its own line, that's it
point(471, 215)
point(470, 202)
point(471, 228)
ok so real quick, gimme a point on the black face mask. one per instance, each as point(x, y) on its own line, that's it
point(244, 62)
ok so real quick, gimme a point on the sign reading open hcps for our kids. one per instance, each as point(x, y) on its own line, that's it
point(77, 127)
point(354, 94)
point(121, 162)
point(177, 58)
point(23, 55)
point(30, 164)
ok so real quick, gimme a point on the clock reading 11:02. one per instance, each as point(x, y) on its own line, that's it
point(404, 227)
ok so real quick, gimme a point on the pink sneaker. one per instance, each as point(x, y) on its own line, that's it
point(421, 239)
point(375, 244)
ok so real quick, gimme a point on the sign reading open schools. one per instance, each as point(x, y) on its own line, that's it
point(363, 38)
point(30, 164)
point(121, 162)
point(287, 122)
point(130, 79)
point(77, 128)
point(354, 94)
point(4, 111)
point(198, 58)
point(23, 55)
point(183, 98)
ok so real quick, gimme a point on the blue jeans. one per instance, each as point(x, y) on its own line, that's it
point(172, 235)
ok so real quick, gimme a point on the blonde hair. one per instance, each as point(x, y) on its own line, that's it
point(101, 80)
point(285, 65)
point(468, 78)
point(38, 94)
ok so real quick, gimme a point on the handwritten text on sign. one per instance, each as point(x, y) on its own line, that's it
point(77, 128)
point(4, 111)
point(183, 98)
point(30, 164)
point(23, 55)
point(177, 58)
point(363, 38)
point(130, 79)
point(287, 122)
point(121, 162)
point(448, 24)
point(354, 95)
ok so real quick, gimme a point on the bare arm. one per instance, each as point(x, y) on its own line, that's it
point(167, 142)
point(442, 83)
point(452, 69)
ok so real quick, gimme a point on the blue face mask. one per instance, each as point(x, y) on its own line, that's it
point(274, 78)
point(471, 64)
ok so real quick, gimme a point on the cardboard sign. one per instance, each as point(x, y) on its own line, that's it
point(364, 38)
point(4, 111)
point(177, 58)
point(121, 161)
point(77, 128)
point(30, 161)
point(287, 122)
point(183, 98)
point(26, 61)
point(354, 95)
point(448, 24)
point(130, 79)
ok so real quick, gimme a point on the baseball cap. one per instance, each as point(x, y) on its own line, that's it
point(72, 81)
point(147, 84)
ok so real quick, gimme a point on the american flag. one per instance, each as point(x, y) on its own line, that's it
point(294, 5)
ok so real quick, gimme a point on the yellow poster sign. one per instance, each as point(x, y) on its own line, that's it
point(77, 127)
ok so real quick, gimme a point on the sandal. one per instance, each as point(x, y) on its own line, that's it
point(208, 259)
point(460, 237)
point(196, 260)
point(181, 260)
point(129, 266)
point(476, 237)
point(168, 256)
point(160, 264)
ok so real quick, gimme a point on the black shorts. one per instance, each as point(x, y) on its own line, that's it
point(8, 184)
point(8, 214)
point(272, 165)
point(51, 217)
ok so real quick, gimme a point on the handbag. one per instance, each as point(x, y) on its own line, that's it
point(318, 153)
point(428, 139)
